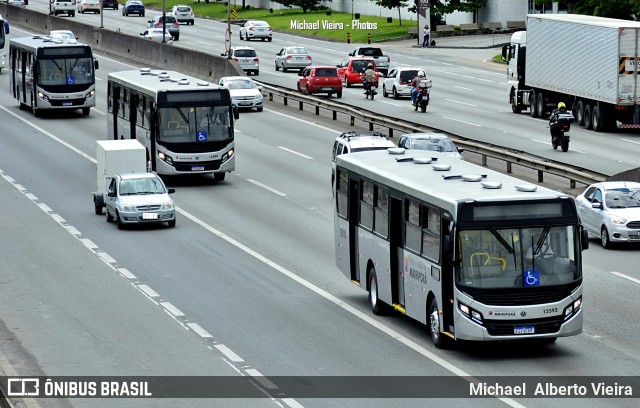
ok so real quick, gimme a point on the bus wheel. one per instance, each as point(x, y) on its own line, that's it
point(219, 176)
point(86, 111)
point(434, 324)
point(377, 307)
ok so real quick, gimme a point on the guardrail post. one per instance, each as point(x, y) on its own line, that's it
point(270, 96)
point(335, 115)
point(285, 101)
point(317, 110)
point(390, 133)
point(300, 105)
point(353, 121)
point(572, 183)
point(508, 167)
point(484, 160)
point(370, 127)
point(540, 176)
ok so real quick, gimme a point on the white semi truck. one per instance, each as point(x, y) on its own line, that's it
point(589, 63)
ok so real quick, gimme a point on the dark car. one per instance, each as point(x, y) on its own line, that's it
point(320, 80)
point(133, 7)
point(171, 24)
point(110, 4)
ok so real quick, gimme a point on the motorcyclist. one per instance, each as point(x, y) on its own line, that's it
point(414, 86)
point(562, 108)
point(369, 76)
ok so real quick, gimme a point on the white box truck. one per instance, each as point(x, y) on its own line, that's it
point(589, 63)
point(116, 157)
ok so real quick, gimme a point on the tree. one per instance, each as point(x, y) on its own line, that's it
point(622, 9)
point(303, 4)
point(442, 7)
point(391, 4)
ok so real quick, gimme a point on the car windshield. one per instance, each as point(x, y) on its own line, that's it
point(436, 145)
point(326, 72)
point(241, 84)
point(141, 186)
point(298, 51)
point(245, 53)
point(194, 124)
point(623, 198)
point(518, 257)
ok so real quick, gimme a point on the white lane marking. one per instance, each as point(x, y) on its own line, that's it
point(460, 75)
point(260, 378)
point(292, 403)
point(172, 309)
point(200, 330)
point(204, 43)
point(106, 257)
point(389, 103)
point(622, 275)
point(549, 144)
point(339, 132)
point(486, 80)
point(462, 87)
point(294, 152)
point(630, 141)
point(126, 273)
point(148, 291)
point(461, 103)
point(462, 121)
point(266, 187)
point(98, 111)
point(228, 353)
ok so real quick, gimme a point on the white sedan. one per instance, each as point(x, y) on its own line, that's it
point(397, 82)
point(611, 211)
point(244, 92)
point(155, 34)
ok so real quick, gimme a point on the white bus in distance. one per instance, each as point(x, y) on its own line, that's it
point(471, 253)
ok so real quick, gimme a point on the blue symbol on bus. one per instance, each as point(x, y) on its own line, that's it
point(202, 135)
point(532, 278)
point(71, 80)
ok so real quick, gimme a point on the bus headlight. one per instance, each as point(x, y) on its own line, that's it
point(90, 95)
point(43, 96)
point(572, 308)
point(470, 313)
point(165, 158)
point(227, 155)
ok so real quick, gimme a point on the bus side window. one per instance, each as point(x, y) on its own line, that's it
point(342, 193)
point(366, 204)
point(413, 232)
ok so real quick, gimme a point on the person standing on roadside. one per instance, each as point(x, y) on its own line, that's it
point(426, 34)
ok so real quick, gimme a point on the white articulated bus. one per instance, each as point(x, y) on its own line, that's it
point(471, 253)
point(52, 74)
point(186, 124)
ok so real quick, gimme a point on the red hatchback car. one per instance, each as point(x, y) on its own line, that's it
point(320, 79)
point(350, 70)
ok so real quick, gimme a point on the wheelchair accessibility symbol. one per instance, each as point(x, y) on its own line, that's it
point(71, 80)
point(202, 135)
point(532, 278)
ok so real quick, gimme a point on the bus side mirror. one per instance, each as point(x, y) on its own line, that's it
point(585, 239)
point(505, 54)
point(236, 113)
point(95, 64)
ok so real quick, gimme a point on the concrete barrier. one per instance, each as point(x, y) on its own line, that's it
point(199, 64)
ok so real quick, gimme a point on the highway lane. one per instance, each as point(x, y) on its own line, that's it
point(468, 98)
point(271, 224)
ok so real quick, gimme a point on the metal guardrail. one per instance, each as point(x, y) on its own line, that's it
point(540, 164)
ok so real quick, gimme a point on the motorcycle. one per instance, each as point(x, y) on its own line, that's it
point(369, 89)
point(559, 129)
point(422, 100)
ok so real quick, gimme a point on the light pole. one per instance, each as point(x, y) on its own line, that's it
point(101, 14)
point(227, 38)
point(164, 24)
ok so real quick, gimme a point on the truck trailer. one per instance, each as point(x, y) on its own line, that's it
point(589, 63)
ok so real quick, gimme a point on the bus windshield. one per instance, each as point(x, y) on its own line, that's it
point(518, 257)
point(65, 71)
point(194, 124)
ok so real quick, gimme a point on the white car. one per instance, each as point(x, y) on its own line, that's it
point(244, 92)
point(430, 141)
point(155, 35)
point(247, 58)
point(256, 29)
point(183, 14)
point(89, 5)
point(62, 35)
point(67, 7)
point(397, 82)
point(611, 211)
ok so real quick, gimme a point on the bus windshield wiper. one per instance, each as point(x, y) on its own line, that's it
point(543, 237)
point(502, 241)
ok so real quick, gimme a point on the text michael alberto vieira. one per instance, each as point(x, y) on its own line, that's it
point(548, 389)
point(331, 25)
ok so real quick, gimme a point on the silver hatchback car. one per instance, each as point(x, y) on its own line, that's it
point(247, 58)
point(139, 198)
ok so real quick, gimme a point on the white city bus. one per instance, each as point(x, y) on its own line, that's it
point(186, 124)
point(52, 74)
point(469, 252)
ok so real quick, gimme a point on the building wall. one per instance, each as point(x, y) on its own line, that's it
point(503, 11)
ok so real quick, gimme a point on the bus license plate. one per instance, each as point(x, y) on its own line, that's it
point(197, 168)
point(524, 330)
point(150, 216)
point(67, 103)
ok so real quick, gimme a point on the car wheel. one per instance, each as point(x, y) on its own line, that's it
point(604, 238)
point(257, 72)
point(241, 36)
point(142, 14)
point(346, 82)
point(299, 89)
point(384, 91)
point(176, 38)
point(339, 95)
point(119, 221)
point(109, 217)
point(172, 223)
point(260, 108)
point(277, 67)
point(308, 92)
point(269, 39)
point(395, 93)
point(579, 113)
point(284, 69)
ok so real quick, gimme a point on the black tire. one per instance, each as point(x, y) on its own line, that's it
point(579, 113)
point(97, 208)
point(283, 68)
point(587, 117)
point(542, 106)
point(515, 108)
point(256, 72)
point(554, 143)
point(346, 82)
point(565, 145)
point(172, 223)
point(604, 238)
point(533, 106)
point(219, 176)
point(86, 111)
point(597, 121)
point(240, 35)
point(277, 67)
point(423, 106)
point(395, 93)
point(269, 39)
point(372, 92)
point(415, 106)
point(109, 217)
point(434, 325)
point(377, 307)
point(259, 109)
point(176, 38)
point(142, 14)
point(339, 95)
point(121, 225)
point(384, 91)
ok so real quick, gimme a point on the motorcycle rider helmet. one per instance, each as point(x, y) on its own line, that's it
point(370, 65)
point(562, 106)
